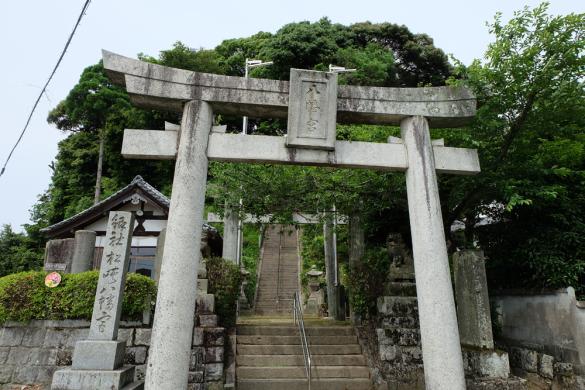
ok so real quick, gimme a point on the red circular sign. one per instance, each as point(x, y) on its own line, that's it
point(52, 280)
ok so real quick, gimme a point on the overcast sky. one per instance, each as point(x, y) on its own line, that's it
point(33, 32)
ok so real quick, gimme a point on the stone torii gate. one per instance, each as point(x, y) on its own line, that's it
point(231, 242)
point(313, 103)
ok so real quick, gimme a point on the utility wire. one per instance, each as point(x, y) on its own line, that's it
point(83, 10)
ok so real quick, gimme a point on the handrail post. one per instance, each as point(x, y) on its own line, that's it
point(298, 318)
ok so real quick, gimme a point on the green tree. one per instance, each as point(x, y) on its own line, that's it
point(183, 57)
point(530, 131)
point(96, 112)
point(17, 252)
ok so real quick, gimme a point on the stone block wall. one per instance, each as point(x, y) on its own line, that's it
point(31, 353)
point(399, 353)
point(543, 371)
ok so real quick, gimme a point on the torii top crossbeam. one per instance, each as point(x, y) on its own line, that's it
point(161, 87)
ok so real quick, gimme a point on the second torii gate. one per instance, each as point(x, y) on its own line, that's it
point(313, 103)
point(232, 241)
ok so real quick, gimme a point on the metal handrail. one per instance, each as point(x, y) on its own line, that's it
point(298, 319)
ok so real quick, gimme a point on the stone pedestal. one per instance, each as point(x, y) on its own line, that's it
point(489, 364)
point(98, 354)
point(73, 379)
point(83, 251)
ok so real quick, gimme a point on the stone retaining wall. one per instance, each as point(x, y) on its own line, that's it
point(31, 353)
point(543, 371)
point(553, 322)
point(397, 353)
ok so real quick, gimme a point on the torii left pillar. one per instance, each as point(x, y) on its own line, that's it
point(175, 304)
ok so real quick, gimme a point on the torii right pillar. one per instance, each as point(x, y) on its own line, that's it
point(441, 349)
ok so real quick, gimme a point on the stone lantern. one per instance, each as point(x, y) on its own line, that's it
point(243, 303)
point(316, 299)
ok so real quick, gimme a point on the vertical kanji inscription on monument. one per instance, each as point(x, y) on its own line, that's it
point(312, 110)
point(108, 300)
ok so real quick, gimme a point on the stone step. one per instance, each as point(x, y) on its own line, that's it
point(279, 272)
point(288, 330)
point(299, 372)
point(298, 360)
point(273, 294)
point(266, 300)
point(269, 296)
point(272, 303)
point(293, 340)
point(301, 384)
point(274, 311)
point(352, 349)
point(271, 286)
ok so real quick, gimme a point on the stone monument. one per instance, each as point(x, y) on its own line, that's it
point(98, 361)
point(59, 255)
point(473, 311)
point(471, 295)
point(312, 104)
point(71, 255)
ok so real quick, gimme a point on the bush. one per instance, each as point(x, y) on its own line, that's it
point(225, 280)
point(366, 281)
point(24, 296)
point(250, 258)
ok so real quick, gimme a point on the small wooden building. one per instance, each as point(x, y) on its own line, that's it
point(151, 209)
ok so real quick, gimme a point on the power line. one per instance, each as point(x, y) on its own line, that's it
point(83, 10)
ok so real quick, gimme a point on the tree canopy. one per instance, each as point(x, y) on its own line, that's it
point(525, 209)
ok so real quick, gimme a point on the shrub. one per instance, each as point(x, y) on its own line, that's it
point(366, 281)
point(250, 258)
point(24, 296)
point(224, 282)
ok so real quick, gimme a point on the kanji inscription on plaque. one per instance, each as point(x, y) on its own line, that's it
point(312, 109)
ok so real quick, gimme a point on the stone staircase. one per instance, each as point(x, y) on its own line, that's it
point(279, 271)
point(269, 357)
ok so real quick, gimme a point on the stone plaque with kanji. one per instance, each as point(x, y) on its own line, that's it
point(107, 307)
point(312, 109)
